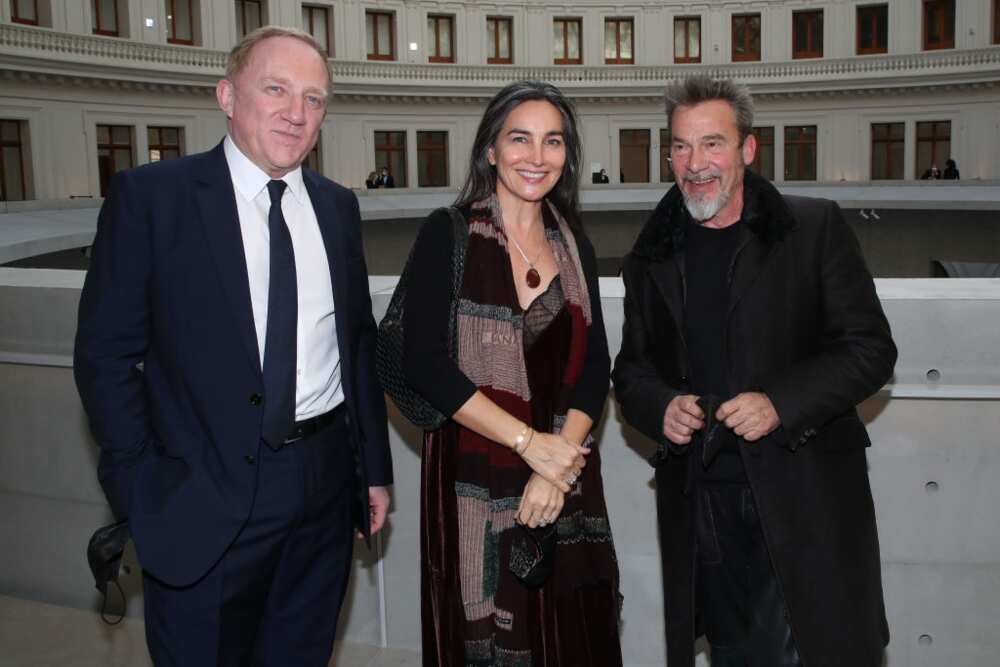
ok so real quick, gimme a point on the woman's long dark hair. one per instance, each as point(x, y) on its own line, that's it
point(481, 182)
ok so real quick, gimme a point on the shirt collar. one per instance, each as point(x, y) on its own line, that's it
point(250, 180)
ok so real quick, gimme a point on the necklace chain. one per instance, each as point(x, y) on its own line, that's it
point(525, 256)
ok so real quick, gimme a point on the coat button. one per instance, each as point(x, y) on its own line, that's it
point(256, 399)
point(249, 458)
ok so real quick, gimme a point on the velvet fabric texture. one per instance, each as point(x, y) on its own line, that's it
point(475, 611)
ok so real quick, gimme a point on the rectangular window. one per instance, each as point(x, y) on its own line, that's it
point(800, 153)
point(313, 160)
point(249, 17)
point(441, 39)
point(13, 135)
point(316, 21)
point(666, 169)
point(996, 21)
point(180, 21)
point(633, 151)
point(380, 30)
point(114, 152)
point(105, 15)
point(687, 39)
point(432, 159)
point(390, 153)
point(873, 29)
point(933, 145)
point(499, 40)
point(888, 143)
point(165, 143)
point(24, 11)
point(746, 37)
point(807, 34)
point(939, 24)
point(618, 35)
point(566, 41)
point(763, 161)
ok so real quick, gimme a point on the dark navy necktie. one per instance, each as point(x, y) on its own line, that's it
point(282, 319)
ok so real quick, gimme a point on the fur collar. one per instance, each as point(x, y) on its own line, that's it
point(765, 213)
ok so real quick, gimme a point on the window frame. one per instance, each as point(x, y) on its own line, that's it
point(686, 20)
point(762, 142)
point(799, 144)
point(160, 145)
point(96, 12)
point(934, 140)
point(805, 51)
point(996, 21)
point(438, 149)
point(875, 17)
point(645, 132)
point(618, 21)
point(111, 146)
point(399, 180)
point(378, 15)
point(20, 146)
point(241, 21)
point(438, 19)
point(748, 55)
point(308, 27)
point(495, 59)
point(884, 145)
point(172, 23)
point(565, 33)
point(15, 17)
point(926, 8)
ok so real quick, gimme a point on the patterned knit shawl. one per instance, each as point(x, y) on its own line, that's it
point(490, 334)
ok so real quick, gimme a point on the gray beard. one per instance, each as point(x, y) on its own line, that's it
point(705, 209)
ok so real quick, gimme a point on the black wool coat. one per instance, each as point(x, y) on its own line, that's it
point(805, 326)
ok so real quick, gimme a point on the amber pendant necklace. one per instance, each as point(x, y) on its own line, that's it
point(531, 276)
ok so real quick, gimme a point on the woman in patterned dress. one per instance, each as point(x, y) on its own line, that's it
point(530, 381)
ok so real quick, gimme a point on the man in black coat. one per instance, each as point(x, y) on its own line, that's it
point(752, 330)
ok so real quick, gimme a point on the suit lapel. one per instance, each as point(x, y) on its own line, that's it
point(217, 206)
point(668, 278)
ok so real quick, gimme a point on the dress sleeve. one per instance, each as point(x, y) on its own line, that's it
point(427, 363)
point(591, 389)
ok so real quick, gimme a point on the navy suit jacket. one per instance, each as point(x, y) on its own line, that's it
point(167, 362)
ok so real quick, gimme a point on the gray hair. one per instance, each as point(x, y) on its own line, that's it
point(700, 88)
point(239, 56)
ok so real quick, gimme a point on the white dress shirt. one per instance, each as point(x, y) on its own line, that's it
point(317, 382)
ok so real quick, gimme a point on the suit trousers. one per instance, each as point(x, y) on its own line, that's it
point(274, 596)
point(739, 600)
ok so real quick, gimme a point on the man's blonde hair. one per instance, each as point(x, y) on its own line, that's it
point(240, 54)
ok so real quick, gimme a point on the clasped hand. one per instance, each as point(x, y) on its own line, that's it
point(750, 415)
point(555, 459)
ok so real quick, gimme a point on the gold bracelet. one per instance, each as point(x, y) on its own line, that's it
point(521, 439)
point(528, 444)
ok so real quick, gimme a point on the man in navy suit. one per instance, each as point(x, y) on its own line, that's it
point(225, 357)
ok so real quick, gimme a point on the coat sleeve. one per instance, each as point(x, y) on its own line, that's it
point(370, 400)
point(427, 362)
point(640, 389)
point(591, 389)
point(856, 355)
point(112, 338)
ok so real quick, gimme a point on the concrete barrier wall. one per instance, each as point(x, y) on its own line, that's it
point(933, 466)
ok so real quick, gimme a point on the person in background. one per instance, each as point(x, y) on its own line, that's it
point(385, 179)
point(951, 171)
point(372, 181)
point(752, 330)
point(225, 355)
point(515, 462)
point(932, 173)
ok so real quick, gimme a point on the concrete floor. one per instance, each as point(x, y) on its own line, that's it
point(33, 634)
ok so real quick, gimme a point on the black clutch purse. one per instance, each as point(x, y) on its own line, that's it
point(389, 348)
point(533, 553)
